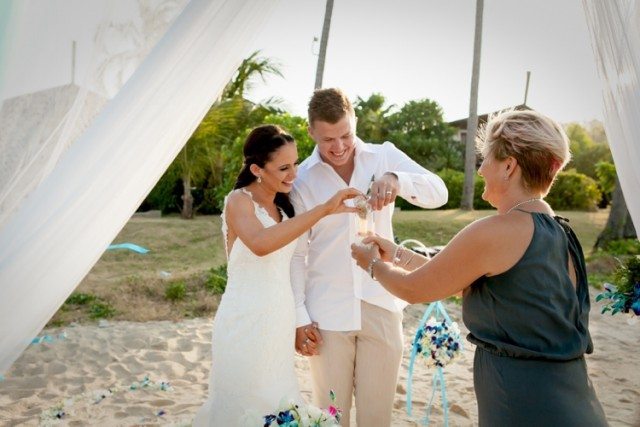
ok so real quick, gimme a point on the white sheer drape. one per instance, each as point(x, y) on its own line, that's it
point(615, 37)
point(79, 152)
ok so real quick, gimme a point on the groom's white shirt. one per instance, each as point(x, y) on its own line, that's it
point(327, 284)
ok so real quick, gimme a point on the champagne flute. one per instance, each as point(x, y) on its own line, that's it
point(365, 214)
point(364, 217)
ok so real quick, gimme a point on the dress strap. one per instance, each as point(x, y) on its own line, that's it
point(260, 210)
point(224, 228)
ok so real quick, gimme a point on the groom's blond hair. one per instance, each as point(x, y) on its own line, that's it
point(329, 105)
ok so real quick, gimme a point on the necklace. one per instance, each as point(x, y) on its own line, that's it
point(523, 203)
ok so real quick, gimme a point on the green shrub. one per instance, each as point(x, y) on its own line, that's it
point(101, 310)
point(623, 247)
point(606, 173)
point(165, 195)
point(78, 298)
point(478, 202)
point(217, 280)
point(454, 181)
point(574, 191)
point(175, 291)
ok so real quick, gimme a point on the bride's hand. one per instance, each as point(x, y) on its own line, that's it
point(336, 203)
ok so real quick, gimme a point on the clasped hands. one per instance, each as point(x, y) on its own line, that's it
point(308, 339)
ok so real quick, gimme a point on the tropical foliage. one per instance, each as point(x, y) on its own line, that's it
point(201, 165)
point(206, 168)
point(372, 117)
point(419, 130)
point(574, 191)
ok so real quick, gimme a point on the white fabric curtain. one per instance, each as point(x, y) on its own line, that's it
point(84, 138)
point(615, 37)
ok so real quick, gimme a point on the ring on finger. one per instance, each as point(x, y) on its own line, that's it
point(388, 192)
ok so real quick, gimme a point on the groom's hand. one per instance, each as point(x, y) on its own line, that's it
point(384, 191)
point(308, 340)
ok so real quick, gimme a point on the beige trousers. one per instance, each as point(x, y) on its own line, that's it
point(363, 364)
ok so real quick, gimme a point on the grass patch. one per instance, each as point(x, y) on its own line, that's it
point(84, 305)
point(101, 310)
point(217, 280)
point(125, 285)
point(175, 291)
point(78, 298)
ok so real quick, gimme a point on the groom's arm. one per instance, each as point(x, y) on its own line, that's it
point(417, 185)
point(299, 267)
point(308, 337)
point(298, 276)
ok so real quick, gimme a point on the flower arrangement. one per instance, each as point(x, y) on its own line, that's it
point(66, 408)
point(625, 297)
point(438, 342)
point(290, 414)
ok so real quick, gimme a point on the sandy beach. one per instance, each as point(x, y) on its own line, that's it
point(156, 373)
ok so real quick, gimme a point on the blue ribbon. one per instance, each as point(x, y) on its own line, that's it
point(131, 246)
point(438, 377)
point(48, 338)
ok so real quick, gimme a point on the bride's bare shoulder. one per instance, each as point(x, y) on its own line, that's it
point(239, 201)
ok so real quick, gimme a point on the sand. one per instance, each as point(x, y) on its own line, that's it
point(79, 369)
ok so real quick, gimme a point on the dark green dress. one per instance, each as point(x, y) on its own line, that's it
point(531, 330)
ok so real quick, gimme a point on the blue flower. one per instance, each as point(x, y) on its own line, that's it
point(268, 419)
point(285, 417)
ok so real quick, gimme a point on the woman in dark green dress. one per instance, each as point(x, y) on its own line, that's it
point(522, 274)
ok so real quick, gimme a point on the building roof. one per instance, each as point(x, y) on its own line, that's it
point(482, 118)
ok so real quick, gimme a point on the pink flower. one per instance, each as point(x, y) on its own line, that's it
point(333, 411)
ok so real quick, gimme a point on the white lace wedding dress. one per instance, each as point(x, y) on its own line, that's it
point(253, 335)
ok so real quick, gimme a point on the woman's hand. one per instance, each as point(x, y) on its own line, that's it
point(336, 204)
point(386, 247)
point(363, 254)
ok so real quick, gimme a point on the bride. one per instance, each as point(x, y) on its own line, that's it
point(254, 327)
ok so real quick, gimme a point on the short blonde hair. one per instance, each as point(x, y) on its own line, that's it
point(329, 105)
point(538, 143)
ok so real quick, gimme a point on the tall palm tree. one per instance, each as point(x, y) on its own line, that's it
point(201, 155)
point(323, 43)
point(249, 69)
point(472, 121)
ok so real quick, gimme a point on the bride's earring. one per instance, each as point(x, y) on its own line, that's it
point(259, 180)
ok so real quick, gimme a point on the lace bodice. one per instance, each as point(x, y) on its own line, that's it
point(242, 263)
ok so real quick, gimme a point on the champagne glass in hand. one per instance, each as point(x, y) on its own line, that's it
point(364, 214)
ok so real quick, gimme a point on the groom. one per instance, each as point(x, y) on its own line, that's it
point(349, 323)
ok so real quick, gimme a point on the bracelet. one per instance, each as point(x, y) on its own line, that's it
point(406, 263)
point(395, 260)
point(373, 262)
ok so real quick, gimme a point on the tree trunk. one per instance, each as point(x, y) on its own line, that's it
point(323, 44)
point(472, 122)
point(618, 222)
point(187, 199)
point(629, 231)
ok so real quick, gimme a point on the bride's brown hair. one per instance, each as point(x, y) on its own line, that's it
point(258, 149)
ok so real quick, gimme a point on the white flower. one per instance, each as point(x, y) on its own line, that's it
point(287, 403)
point(439, 342)
point(314, 412)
